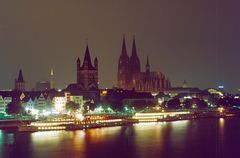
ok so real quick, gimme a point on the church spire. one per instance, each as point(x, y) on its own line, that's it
point(135, 65)
point(87, 59)
point(124, 48)
point(19, 82)
point(20, 76)
point(134, 49)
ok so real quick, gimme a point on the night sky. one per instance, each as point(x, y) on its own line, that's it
point(193, 40)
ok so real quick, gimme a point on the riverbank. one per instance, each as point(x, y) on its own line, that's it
point(98, 121)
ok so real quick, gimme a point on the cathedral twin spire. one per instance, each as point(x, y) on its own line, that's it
point(134, 49)
point(128, 67)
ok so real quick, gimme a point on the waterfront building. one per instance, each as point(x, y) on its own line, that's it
point(19, 82)
point(2, 105)
point(41, 103)
point(29, 105)
point(131, 77)
point(78, 99)
point(59, 103)
point(118, 98)
point(4, 101)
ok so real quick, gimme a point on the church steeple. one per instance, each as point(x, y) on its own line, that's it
point(87, 59)
point(134, 60)
point(134, 49)
point(20, 76)
point(19, 82)
point(124, 48)
point(123, 67)
point(87, 73)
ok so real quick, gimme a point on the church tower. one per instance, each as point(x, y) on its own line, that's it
point(19, 82)
point(87, 74)
point(135, 66)
point(123, 68)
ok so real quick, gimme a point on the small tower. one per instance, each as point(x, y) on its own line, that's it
point(52, 79)
point(147, 66)
point(19, 82)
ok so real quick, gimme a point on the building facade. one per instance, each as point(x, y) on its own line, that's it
point(131, 77)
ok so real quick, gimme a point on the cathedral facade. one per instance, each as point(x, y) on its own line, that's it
point(130, 75)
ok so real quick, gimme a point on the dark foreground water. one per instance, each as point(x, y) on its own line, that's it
point(204, 138)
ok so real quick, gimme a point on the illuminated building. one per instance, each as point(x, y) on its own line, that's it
point(131, 77)
point(4, 101)
point(19, 82)
point(41, 102)
point(77, 99)
point(29, 105)
point(59, 103)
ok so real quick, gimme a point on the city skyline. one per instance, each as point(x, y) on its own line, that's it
point(197, 45)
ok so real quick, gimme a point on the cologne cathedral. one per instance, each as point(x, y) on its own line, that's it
point(130, 75)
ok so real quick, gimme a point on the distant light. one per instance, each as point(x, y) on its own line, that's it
point(79, 116)
point(59, 90)
point(221, 87)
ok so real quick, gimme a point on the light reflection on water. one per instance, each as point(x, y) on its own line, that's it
point(195, 138)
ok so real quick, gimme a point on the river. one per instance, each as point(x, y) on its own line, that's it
point(202, 138)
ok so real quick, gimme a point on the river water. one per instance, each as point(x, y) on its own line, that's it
point(203, 138)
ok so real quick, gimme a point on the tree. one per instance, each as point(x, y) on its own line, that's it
point(14, 108)
point(173, 104)
point(72, 106)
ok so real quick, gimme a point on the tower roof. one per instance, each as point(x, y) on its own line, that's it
point(87, 58)
point(20, 76)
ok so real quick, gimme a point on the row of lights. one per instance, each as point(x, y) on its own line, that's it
point(51, 128)
point(107, 121)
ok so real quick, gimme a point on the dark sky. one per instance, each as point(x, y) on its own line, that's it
point(183, 38)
